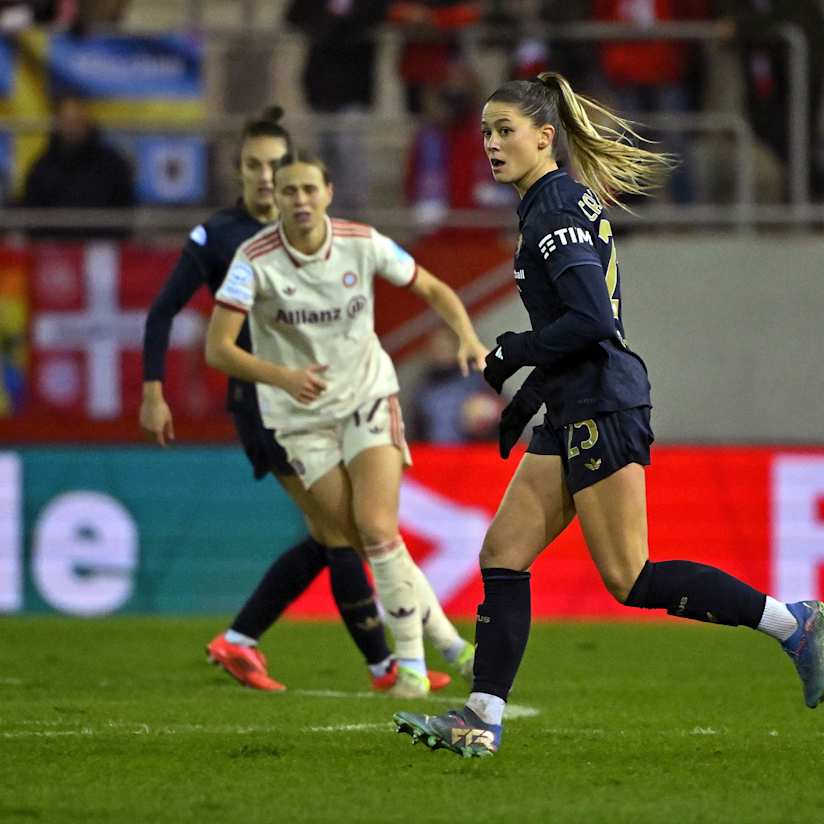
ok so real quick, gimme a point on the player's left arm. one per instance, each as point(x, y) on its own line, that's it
point(445, 301)
point(587, 319)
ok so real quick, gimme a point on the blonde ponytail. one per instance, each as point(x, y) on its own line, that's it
point(601, 153)
point(608, 164)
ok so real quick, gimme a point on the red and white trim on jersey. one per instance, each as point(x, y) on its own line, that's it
point(396, 422)
point(232, 307)
point(294, 261)
point(348, 228)
point(260, 243)
point(290, 252)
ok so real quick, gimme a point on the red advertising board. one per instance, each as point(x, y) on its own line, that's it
point(757, 513)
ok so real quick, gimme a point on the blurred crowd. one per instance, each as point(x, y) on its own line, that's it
point(16, 15)
point(441, 83)
point(439, 68)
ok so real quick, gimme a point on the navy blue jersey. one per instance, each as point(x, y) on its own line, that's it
point(567, 274)
point(203, 262)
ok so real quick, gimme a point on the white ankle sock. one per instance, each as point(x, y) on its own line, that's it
point(777, 621)
point(415, 664)
point(489, 708)
point(239, 638)
point(381, 668)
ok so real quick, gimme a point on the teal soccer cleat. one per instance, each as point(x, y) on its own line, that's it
point(806, 647)
point(460, 731)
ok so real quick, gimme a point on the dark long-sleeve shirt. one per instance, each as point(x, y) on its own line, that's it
point(202, 262)
point(567, 273)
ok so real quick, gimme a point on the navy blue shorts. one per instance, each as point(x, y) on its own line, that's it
point(592, 450)
point(263, 451)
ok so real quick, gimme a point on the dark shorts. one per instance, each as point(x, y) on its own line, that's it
point(263, 451)
point(592, 450)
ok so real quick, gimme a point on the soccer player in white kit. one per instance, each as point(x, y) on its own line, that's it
point(329, 390)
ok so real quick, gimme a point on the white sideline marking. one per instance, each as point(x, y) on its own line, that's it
point(114, 727)
point(137, 728)
point(44, 733)
point(130, 728)
point(35, 723)
point(511, 711)
point(384, 727)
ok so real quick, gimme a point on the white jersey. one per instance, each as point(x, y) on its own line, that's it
point(306, 309)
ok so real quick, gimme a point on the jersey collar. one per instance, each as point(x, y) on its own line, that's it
point(535, 189)
point(299, 258)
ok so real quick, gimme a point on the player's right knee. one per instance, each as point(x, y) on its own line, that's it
point(619, 582)
point(504, 555)
point(617, 587)
point(374, 529)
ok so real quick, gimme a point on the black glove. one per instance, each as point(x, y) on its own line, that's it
point(519, 412)
point(499, 366)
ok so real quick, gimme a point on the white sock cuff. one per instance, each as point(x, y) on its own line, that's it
point(777, 621)
point(239, 638)
point(489, 708)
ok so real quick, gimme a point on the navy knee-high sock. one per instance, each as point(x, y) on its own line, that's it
point(355, 600)
point(284, 581)
point(703, 593)
point(502, 630)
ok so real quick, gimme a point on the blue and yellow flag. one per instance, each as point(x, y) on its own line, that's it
point(125, 79)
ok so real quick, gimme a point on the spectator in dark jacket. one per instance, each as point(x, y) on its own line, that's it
point(78, 170)
point(339, 79)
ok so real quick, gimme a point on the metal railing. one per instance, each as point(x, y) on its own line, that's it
point(742, 213)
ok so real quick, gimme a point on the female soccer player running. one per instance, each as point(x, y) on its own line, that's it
point(587, 458)
point(329, 390)
point(204, 261)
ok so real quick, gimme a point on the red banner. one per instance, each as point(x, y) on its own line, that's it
point(89, 305)
point(756, 513)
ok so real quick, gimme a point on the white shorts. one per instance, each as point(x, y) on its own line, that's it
point(314, 452)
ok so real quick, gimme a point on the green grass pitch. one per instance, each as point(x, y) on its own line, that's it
point(121, 720)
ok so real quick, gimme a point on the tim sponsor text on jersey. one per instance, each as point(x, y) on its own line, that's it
point(566, 234)
point(590, 206)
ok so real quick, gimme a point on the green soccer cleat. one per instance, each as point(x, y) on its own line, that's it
point(806, 648)
point(459, 731)
point(409, 684)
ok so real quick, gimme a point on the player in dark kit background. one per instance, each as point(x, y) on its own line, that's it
point(587, 458)
point(204, 261)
